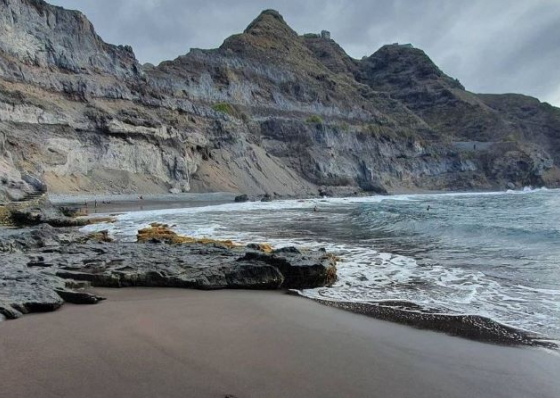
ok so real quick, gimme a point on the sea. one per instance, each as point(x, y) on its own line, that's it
point(491, 254)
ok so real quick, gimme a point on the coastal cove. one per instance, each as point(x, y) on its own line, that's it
point(395, 252)
point(272, 217)
point(390, 265)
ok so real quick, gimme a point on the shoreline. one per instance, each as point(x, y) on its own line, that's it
point(104, 204)
point(107, 204)
point(62, 199)
point(467, 326)
point(172, 342)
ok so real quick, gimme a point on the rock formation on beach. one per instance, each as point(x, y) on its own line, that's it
point(268, 112)
point(48, 266)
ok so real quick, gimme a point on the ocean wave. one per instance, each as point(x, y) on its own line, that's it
point(368, 276)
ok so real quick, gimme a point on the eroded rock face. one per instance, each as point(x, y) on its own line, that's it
point(41, 268)
point(15, 187)
point(43, 214)
point(59, 49)
point(269, 112)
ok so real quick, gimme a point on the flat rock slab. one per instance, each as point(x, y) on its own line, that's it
point(41, 268)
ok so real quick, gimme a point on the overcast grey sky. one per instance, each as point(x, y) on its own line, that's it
point(491, 46)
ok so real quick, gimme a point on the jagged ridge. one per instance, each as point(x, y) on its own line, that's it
point(268, 112)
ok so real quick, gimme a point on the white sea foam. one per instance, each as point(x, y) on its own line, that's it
point(167, 215)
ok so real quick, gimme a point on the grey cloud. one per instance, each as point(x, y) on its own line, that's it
point(490, 45)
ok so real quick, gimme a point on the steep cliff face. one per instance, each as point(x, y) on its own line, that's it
point(60, 87)
point(13, 185)
point(512, 128)
point(410, 76)
point(268, 112)
point(50, 37)
point(59, 50)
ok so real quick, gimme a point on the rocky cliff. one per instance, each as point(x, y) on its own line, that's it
point(269, 111)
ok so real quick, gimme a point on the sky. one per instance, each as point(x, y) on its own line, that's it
point(491, 46)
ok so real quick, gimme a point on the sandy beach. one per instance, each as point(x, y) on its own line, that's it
point(92, 204)
point(180, 343)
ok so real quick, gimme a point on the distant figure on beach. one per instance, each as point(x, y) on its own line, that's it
point(429, 207)
point(315, 209)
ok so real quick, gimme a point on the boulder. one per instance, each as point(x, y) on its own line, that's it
point(46, 214)
point(71, 211)
point(18, 298)
point(266, 198)
point(76, 297)
point(241, 198)
point(300, 271)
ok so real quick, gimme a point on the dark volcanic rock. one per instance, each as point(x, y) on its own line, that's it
point(191, 266)
point(74, 297)
point(300, 271)
point(40, 268)
point(242, 198)
point(42, 236)
point(46, 214)
point(267, 198)
point(23, 293)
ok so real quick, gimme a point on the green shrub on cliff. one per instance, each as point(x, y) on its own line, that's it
point(231, 110)
point(344, 127)
point(390, 134)
point(223, 107)
point(513, 137)
point(374, 130)
point(315, 119)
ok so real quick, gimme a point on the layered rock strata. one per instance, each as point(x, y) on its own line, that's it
point(268, 112)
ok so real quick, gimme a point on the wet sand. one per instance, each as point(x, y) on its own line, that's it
point(180, 343)
point(105, 204)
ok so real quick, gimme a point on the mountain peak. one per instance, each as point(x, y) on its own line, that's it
point(266, 15)
point(268, 32)
point(405, 64)
point(269, 22)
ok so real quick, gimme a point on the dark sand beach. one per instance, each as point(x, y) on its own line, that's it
point(180, 343)
point(105, 204)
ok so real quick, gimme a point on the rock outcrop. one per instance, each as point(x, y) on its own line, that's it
point(269, 112)
point(42, 268)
